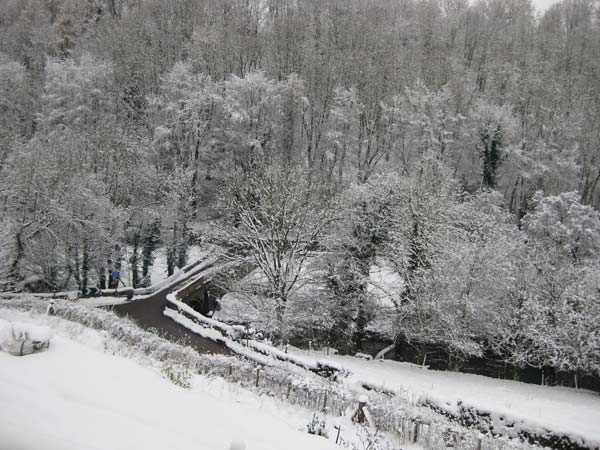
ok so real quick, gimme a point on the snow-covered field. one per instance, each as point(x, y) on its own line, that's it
point(562, 410)
point(76, 395)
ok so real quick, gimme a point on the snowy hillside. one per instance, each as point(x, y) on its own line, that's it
point(109, 402)
point(79, 396)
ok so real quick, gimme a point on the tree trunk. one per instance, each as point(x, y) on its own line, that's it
point(14, 266)
point(134, 263)
point(280, 317)
point(85, 265)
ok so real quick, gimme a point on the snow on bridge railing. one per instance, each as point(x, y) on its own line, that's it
point(207, 275)
point(237, 334)
point(225, 329)
point(178, 277)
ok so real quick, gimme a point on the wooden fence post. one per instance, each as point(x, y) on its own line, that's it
point(257, 375)
point(339, 430)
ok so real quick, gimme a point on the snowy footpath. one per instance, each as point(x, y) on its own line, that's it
point(78, 396)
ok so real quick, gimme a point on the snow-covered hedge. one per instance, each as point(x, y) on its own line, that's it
point(494, 423)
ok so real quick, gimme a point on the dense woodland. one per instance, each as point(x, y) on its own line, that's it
point(457, 141)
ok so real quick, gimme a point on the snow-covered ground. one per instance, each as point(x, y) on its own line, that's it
point(76, 395)
point(562, 410)
point(158, 271)
point(384, 283)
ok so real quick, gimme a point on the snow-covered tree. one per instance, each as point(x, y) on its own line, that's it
point(60, 217)
point(16, 109)
point(464, 298)
point(562, 223)
point(274, 214)
point(187, 115)
point(559, 314)
point(78, 94)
